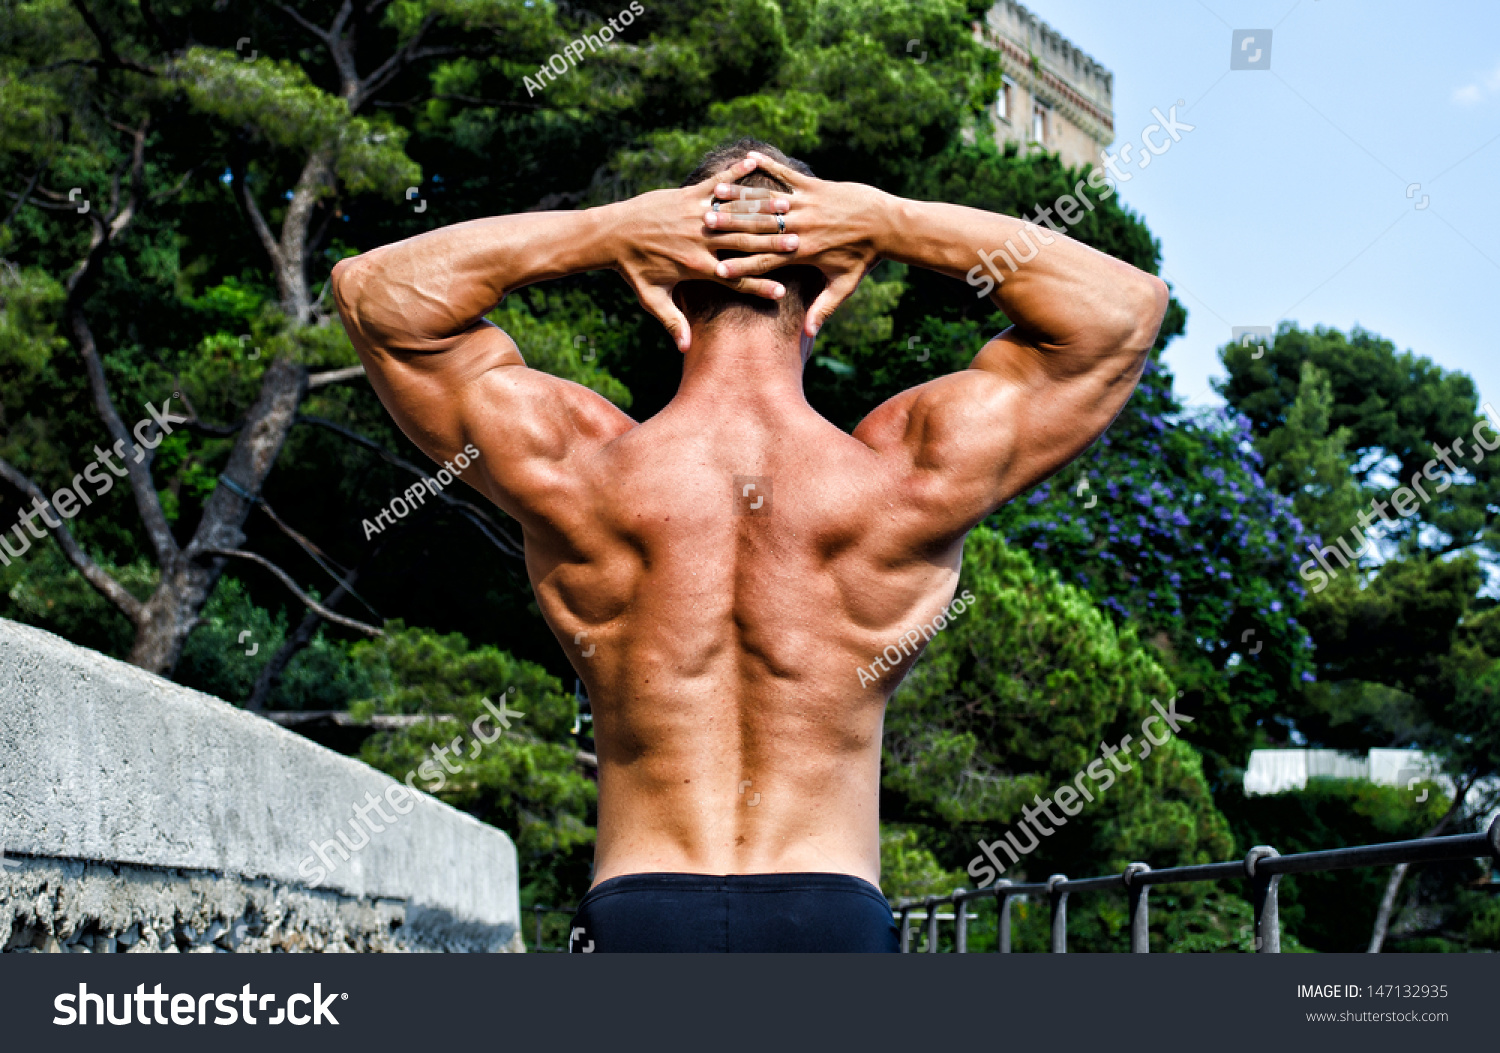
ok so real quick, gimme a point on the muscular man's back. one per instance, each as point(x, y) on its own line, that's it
point(721, 642)
point(720, 574)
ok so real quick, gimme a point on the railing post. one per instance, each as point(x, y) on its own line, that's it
point(960, 922)
point(905, 930)
point(1140, 927)
point(1002, 915)
point(1267, 917)
point(536, 912)
point(1059, 913)
point(932, 925)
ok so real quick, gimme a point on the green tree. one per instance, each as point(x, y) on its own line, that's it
point(145, 111)
point(1309, 462)
point(1014, 699)
point(526, 781)
point(1397, 410)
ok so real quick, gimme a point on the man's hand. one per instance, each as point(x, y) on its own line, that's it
point(663, 240)
point(838, 226)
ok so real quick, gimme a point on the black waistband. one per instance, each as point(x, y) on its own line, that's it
point(735, 883)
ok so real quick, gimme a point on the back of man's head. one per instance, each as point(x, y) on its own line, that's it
point(709, 303)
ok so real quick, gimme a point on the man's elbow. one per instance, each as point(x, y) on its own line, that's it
point(345, 283)
point(1149, 298)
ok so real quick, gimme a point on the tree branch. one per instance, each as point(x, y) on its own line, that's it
point(196, 422)
point(106, 50)
point(94, 574)
point(162, 195)
point(340, 574)
point(286, 579)
point(316, 30)
point(387, 70)
point(481, 519)
point(257, 221)
point(79, 285)
point(21, 198)
point(1398, 873)
point(270, 675)
point(470, 99)
point(334, 376)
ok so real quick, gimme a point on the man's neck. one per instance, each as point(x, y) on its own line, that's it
point(756, 364)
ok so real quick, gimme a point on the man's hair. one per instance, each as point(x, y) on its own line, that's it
point(706, 301)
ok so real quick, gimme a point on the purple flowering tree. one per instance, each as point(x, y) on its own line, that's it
point(1167, 522)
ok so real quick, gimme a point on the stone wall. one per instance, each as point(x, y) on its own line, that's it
point(136, 814)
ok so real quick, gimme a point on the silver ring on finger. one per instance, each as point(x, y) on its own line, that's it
point(780, 225)
point(716, 204)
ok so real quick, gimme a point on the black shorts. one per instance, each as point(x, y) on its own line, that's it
point(737, 912)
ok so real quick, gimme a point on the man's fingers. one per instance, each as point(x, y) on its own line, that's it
point(745, 223)
point(742, 266)
point(834, 293)
point(747, 242)
point(738, 170)
point(659, 302)
point(771, 290)
point(790, 176)
point(779, 205)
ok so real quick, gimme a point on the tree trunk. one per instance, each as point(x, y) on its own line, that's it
point(186, 583)
point(172, 613)
point(1398, 875)
point(1387, 907)
point(291, 268)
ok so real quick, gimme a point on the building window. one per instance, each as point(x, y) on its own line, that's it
point(1039, 124)
point(1003, 103)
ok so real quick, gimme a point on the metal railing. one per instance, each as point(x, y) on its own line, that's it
point(1262, 866)
point(537, 910)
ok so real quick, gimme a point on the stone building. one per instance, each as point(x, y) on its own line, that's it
point(1054, 97)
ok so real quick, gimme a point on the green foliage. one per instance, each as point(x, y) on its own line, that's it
point(1309, 462)
point(281, 103)
point(322, 675)
point(1191, 589)
point(1334, 910)
point(909, 871)
point(1393, 408)
point(561, 334)
point(1168, 524)
point(44, 590)
point(1008, 703)
point(527, 781)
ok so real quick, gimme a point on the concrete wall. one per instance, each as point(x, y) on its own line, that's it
point(135, 813)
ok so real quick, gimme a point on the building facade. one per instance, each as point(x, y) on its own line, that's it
point(1054, 97)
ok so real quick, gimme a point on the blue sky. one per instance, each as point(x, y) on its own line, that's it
point(1288, 200)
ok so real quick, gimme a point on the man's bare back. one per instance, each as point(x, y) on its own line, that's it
point(721, 642)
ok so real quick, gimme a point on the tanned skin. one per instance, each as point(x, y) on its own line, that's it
point(721, 650)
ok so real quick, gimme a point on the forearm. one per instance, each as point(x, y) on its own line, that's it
point(1059, 292)
point(420, 294)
